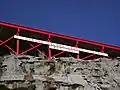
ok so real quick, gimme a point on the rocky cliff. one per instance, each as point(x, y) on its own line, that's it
point(24, 72)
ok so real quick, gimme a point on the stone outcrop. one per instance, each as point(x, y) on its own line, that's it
point(22, 72)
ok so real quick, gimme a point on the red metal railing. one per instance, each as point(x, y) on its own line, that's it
point(20, 28)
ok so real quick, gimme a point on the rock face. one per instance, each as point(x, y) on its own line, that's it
point(29, 73)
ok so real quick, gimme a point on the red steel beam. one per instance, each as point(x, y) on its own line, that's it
point(78, 56)
point(49, 50)
point(31, 48)
point(17, 46)
point(3, 42)
point(17, 43)
point(60, 35)
point(88, 56)
point(9, 47)
point(38, 50)
point(76, 45)
point(102, 49)
point(58, 53)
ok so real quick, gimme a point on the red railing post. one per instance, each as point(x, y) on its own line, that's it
point(17, 43)
point(49, 50)
point(76, 45)
point(102, 49)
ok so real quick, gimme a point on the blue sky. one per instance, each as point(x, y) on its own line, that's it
point(97, 20)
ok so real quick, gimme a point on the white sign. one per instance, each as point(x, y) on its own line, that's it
point(51, 45)
point(60, 46)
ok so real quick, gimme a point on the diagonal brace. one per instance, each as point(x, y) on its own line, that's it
point(9, 47)
point(38, 50)
point(31, 48)
point(3, 42)
point(58, 53)
point(88, 56)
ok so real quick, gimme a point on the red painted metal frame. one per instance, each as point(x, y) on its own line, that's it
point(76, 45)
point(9, 48)
point(31, 48)
point(49, 50)
point(58, 54)
point(38, 50)
point(17, 44)
point(78, 56)
point(60, 35)
point(102, 49)
point(34, 47)
point(4, 42)
point(89, 56)
point(20, 28)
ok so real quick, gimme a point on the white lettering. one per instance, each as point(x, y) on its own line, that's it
point(60, 46)
point(64, 49)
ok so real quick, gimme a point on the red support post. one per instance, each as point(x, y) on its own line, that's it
point(17, 43)
point(49, 50)
point(78, 56)
point(102, 49)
